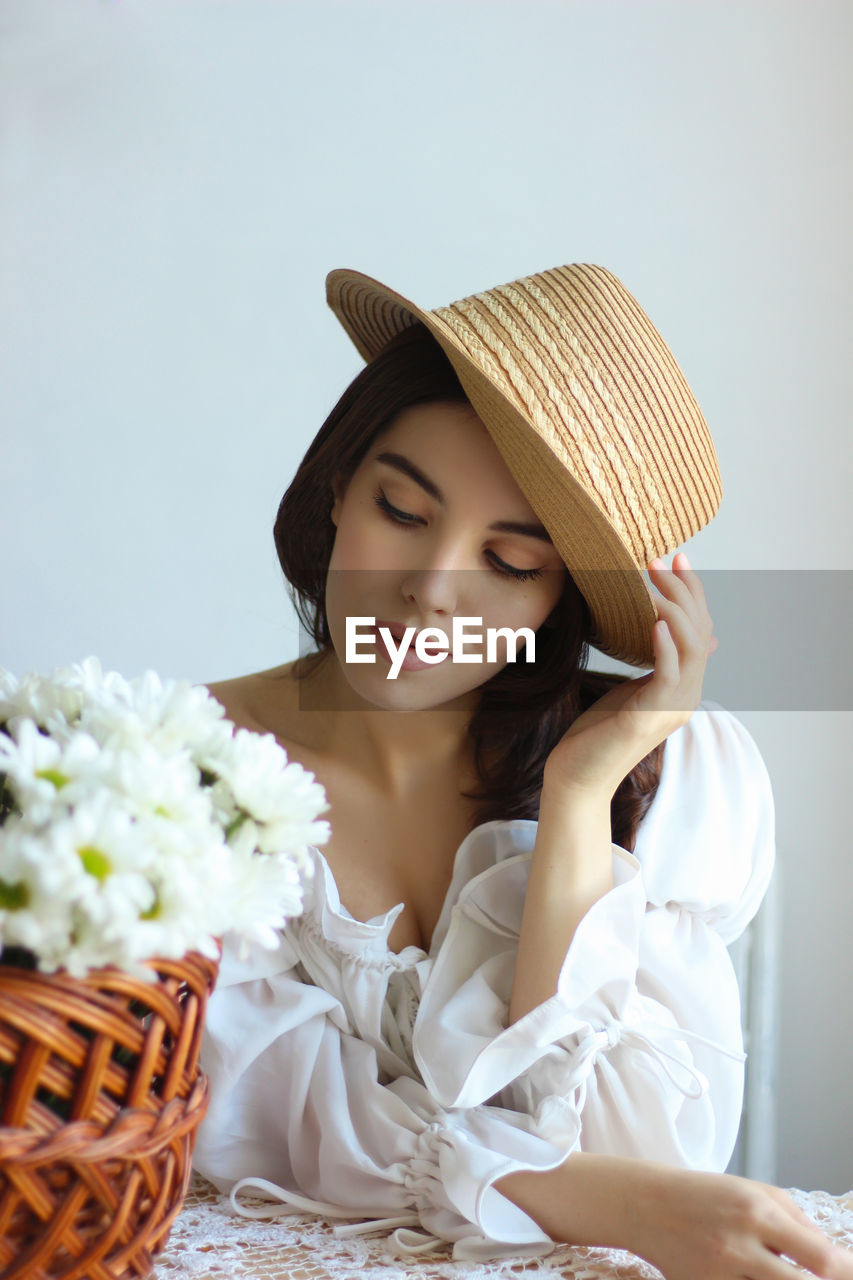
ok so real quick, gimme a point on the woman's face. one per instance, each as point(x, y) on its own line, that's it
point(430, 527)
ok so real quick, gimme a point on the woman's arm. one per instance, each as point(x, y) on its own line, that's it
point(679, 1220)
point(570, 870)
point(687, 1224)
point(571, 866)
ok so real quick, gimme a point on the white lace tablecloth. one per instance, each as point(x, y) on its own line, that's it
point(210, 1242)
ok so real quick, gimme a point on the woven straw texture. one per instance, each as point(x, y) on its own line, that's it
point(591, 412)
point(100, 1098)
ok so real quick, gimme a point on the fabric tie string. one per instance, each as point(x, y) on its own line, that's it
point(292, 1202)
point(696, 1084)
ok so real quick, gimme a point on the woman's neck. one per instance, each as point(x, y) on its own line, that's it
point(393, 750)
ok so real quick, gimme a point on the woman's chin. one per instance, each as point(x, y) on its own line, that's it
point(336, 685)
point(419, 689)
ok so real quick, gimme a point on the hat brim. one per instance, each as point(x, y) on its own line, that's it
point(601, 564)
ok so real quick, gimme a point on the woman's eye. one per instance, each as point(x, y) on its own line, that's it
point(394, 513)
point(520, 575)
point(408, 520)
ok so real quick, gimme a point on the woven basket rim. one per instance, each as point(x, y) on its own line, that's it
point(173, 965)
point(57, 1018)
point(135, 1132)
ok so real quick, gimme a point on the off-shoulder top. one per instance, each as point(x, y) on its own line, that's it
point(353, 1080)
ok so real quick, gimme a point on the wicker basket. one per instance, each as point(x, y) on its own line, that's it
point(100, 1098)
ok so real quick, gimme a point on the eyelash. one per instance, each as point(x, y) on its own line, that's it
point(407, 521)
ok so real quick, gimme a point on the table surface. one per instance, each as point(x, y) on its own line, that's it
point(210, 1242)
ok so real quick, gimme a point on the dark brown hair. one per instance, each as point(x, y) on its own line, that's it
point(526, 707)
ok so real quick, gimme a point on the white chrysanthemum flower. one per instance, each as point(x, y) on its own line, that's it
point(110, 849)
point(193, 894)
point(253, 766)
point(46, 773)
point(266, 892)
point(174, 714)
point(98, 864)
point(35, 910)
point(92, 685)
point(263, 785)
point(141, 824)
point(33, 852)
point(38, 698)
point(60, 696)
point(168, 786)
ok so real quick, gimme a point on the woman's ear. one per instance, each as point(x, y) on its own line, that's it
point(339, 488)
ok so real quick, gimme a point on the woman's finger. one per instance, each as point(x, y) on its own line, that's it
point(661, 692)
point(771, 1267)
point(680, 581)
point(667, 659)
point(798, 1239)
point(686, 614)
point(790, 1239)
point(693, 620)
point(688, 575)
point(690, 631)
point(670, 585)
point(680, 603)
point(680, 658)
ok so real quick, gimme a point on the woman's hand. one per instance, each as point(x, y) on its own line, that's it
point(721, 1227)
point(606, 742)
point(572, 864)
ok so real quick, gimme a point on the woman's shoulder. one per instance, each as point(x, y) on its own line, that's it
point(263, 701)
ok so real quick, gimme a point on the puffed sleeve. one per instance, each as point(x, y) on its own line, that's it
point(642, 1037)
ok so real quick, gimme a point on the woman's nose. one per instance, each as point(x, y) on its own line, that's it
point(432, 590)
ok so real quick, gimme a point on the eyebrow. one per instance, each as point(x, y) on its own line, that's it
point(530, 529)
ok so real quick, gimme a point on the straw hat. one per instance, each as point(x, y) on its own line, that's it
point(591, 412)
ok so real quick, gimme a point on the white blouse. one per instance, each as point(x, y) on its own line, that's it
point(349, 1079)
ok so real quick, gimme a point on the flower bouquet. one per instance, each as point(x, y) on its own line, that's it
point(136, 828)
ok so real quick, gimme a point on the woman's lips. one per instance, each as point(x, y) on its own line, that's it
point(411, 661)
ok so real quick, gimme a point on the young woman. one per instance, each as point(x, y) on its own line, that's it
point(507, 1016)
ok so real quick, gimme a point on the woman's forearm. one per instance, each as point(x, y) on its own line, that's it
point(570, 870)
point(588, 1200)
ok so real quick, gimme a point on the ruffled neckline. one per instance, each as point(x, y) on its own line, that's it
point(485, 846)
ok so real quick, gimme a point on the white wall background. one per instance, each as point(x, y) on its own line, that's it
point(177, 176)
